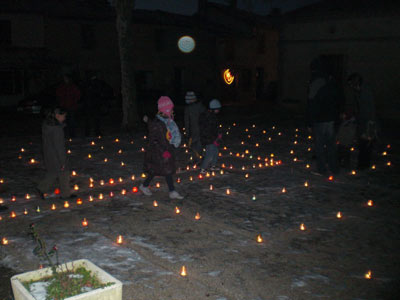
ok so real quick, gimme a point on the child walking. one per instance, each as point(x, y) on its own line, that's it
point(159, 158)
point(210, 136)
point(55, 156)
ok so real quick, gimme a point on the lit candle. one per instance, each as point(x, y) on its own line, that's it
point(177, 210)
point(4, 241)
point(111, 181)
point(370, 203)
point(27, 197)
point(155, 204)
point(197, 216)
point(353, 172)
point(89, 156)
point(13, 215)
point(13, 198)
point(284, 190)
point(90, 198)
point(66, 204)
point(259, 238)
point(157, 185)
point(228, 192)
point(101, 196)
point(119, 239)
point(73, 173)
point(135, 189)
point(25, 211)
point(211, 187)
point(183, 271)
point(368, 275)
point(123, 192)
point(339, 215)
point(302, 226)
point(133, 177)
point(53, 207)
point(79, 201)
point(306, 184)
point(84, 222)
point(76, 187)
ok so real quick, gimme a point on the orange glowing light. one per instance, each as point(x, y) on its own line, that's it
point(76, 187)
point(135, 189)
point(211, 187)
point(27, 197)
point(228, 191)
point(177, 210)
point(120, 179)
point(197, 216)
point(101, 196)
point(66, 204)
point(143, 175)
point(183, 271)
point(91, 185)
point(370, 203)
point(119, 240)
point(32, 161)
point(284, 190)
point(84, 222)
point(178, 180)
point(4, 241)
point(157, 185)
point(330, 178)
point(155, 203)
point(339, 215)
point(57, 191)
point(302, 226)
point(90, 198)
point(388, 163)
point(79, 201)
point(106, 160)
point(116, 140)
point(111, 181)
point(373, 167)
point(89, 156)
point(123, 192)
point(53, 207)
point(25, 211)
point(13, 215)
point(353, 172)
point(228, 77)
point(306, 184)
point(247, 175)
point(73, 173)
point(368, 275)
point(101, 182)
point(259, 238)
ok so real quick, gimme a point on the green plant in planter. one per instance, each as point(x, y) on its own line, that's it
point(64, 282)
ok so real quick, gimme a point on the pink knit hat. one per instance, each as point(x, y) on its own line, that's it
point(165, 105)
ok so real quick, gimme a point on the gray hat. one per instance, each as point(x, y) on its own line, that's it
point(214, 104)
point(190, 97)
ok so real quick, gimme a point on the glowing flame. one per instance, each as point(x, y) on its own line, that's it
point(66, 204)
point(53, 207)
point(330, 178)
point(259, 238)
point(353, 172)
point(155, 204)
point(183, 271)
point(84, 222)
point(111, 181)
point(27, 197)
point(119, 240)
point(228, 77)
point(101, 196)
point(306, 184)
point(13, 215)
point(123, 192)
point(368, 275)
point(211, 187)
point(370, 203)
point(89, 156)
point(102, 182)
point(339, 215)
point(90, 198)
point(177, 210)
point(76, 187)
point(135, 189)
point(302, 226)
point(197, 216)
point(228, 191)
point(4, 241)
point(73, 173)
point(284, 190)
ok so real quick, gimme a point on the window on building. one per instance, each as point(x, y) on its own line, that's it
point(5, 32)
point(88, 39)
point(10, 82)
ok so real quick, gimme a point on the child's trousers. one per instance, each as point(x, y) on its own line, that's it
point(211, 156)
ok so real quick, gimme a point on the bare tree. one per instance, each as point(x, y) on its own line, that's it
point(124, 11)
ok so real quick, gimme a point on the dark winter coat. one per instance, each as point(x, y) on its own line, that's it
point(323, 100)
point(365, 111)
point(192, 115)
point(209, 127)
point(154, 161)
point(55, 156)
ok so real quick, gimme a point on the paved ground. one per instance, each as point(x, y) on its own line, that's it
point(328, 260)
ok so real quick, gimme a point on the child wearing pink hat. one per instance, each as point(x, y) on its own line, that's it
point(164, 137)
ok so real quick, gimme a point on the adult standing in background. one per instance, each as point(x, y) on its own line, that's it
point(68, 95)
point(193, 109)
point(322, 113)
point(365, 118)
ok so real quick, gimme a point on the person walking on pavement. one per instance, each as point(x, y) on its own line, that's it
point(210, 137)
point(55, 156)
point(193, 109)
point(68, 95)
point(322, 113)
point(159, 158)
point(365, 119)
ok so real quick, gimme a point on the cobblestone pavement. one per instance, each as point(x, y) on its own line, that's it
point(266, 190)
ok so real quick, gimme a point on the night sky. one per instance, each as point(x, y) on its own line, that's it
point(188, 7)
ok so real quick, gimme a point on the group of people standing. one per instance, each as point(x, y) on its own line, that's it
point(164, 137)
point(325, 115)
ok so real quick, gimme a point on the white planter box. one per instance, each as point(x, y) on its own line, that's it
point(112, 292)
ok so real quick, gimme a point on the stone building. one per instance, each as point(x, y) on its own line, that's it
point(354, 36)
point(43, 39)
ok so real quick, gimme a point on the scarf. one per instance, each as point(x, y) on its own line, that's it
point(173, 134)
